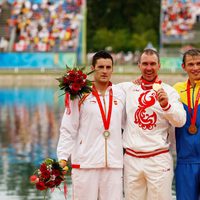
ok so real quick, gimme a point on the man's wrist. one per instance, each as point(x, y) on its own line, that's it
point(166, 106)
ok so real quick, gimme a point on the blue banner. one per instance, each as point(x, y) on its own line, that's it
point(37, 60)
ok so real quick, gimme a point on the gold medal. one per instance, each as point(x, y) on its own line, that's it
point(192, 129)
point(106, 134)
point(156, 86)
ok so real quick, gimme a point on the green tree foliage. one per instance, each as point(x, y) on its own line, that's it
point(124, 24)
point(101, 38)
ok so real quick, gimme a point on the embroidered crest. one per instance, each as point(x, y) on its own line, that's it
point(142, 118)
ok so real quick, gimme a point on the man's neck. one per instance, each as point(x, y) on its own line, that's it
point(101, 87)
point(149, 81)
point(192, 82)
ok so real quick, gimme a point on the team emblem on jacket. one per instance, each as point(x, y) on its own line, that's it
point(115, 102)
point(144, 119)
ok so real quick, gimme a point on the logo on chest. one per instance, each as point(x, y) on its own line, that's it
point(144, 119)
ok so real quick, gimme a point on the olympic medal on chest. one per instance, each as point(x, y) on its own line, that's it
point(106, 134)
point(192, 129)
point(156, 86)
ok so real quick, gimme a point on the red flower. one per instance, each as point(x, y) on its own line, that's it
point(49, 175)
point(56, 172)
point(79, 81)
point(34, 179)
point(41, 186)
point(65, 80)
point(45, 174)
point(75, 83)
point(43, 167)
point(58, 181)
point(76, 87)
point(80, 73)
point(84, 76)
point(72, 75)
point(50, 184)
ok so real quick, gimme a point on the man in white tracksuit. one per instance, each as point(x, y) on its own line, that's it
point(151, 108)
point(91, 134)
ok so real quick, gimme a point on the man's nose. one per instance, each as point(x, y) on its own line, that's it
point(148, 66)
point(104, 69)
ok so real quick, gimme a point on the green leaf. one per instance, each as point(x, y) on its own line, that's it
point(49, 161)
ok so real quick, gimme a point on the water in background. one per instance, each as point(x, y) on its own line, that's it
point(29, 131)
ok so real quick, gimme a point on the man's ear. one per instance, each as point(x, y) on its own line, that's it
point(92, 67)
point(183, 66)
point(138, 64)
point(159, 65)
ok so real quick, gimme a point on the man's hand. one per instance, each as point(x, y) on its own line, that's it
point(63, 163)
point(162, 98)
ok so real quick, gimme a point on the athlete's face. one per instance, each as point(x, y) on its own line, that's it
point(149, 66)
point(192, 67)
point(103, 70)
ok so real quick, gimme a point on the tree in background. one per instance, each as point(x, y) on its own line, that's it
point(124, 25)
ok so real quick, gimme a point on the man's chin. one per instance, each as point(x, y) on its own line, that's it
point(104, 80)
point(149, 78)
point(197, 79)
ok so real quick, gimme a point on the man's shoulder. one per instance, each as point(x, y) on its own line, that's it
point(124, 85)
point(118, 92)
point(180, 86)
point(169, 89)
point(176, 86)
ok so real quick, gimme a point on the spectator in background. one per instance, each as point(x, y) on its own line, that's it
point(187, 174)
point(48, 26)
point(178, 17)
point(3, 45)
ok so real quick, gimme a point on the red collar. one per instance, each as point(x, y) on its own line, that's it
point(147, 85)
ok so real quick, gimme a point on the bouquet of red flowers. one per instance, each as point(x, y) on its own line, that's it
point(74, 82)
point(49, 175)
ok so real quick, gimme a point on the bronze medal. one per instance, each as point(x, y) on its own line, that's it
point(192, 129)
point(106, 134)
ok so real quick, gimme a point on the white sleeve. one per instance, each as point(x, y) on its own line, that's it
point(175, 113)
point(172, 140)
point(68, 131)
point(124, 110)
point(123, 86)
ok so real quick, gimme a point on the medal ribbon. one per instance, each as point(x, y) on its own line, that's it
point(147, 85)
point(194, 116)
point(106, 122)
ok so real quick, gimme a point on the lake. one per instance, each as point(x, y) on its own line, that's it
point(29, 129)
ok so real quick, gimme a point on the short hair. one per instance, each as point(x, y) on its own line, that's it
point(149, 52)
point(101, 54)
point(190, 52)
